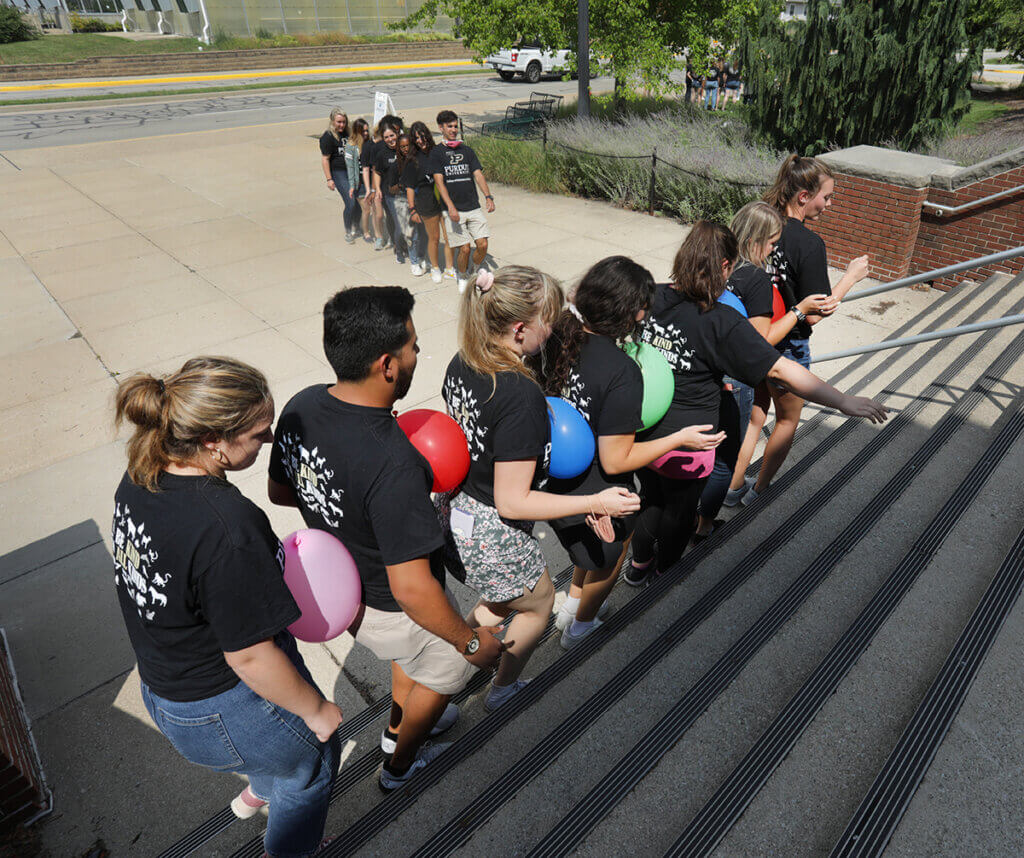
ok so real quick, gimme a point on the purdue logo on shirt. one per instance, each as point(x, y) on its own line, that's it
point(307, 471)
point(134, 560)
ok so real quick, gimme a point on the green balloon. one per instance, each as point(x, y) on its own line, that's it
point(659, 383)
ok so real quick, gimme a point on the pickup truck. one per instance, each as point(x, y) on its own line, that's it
point(529, 60)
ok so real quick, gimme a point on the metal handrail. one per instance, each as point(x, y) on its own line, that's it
point(937, 273)
point(973, 328)
point(942, 210)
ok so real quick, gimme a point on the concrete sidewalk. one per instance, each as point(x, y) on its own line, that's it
point(135, 255)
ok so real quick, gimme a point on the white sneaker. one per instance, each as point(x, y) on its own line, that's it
point(427, 753)
point(416, 269)
point(750, 496)
point(563, 618)
point(462, 283)
point(449, 718)
point(499, 696)
point(435, 275)
point(450, 273)
point(734, 496)
point(569, 640)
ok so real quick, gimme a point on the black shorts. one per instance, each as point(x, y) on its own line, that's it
point(587, 551)
point(426, 203)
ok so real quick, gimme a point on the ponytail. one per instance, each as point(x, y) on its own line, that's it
point(796, 174)
point(492, 303)
point(697, 269)
point(209, 397)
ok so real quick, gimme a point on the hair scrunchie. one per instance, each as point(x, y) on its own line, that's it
point(162, 386)
point(575, 311)
point(484, 281)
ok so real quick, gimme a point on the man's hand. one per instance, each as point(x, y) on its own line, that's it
point(489, 204)
point(489, 653)
point(453, 214)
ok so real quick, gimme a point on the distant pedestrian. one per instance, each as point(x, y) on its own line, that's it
point(334, 160)
point(421, 193)
point(692, 82)
point(711, 81)
point(356, 141)
point(457, 173)
point(733, 82)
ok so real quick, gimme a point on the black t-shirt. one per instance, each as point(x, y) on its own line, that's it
point(199, 572)
point(457, 165)
point(701, 348)
point(417, 175)
point(385, 163)
point(799, 267)
point(607, 388)
point(357, 476)
point(335, 149)
point(509, 425)
point(753, 286)
point(368, 154)
point(712, 75)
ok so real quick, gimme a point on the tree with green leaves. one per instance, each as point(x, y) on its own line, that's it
point(861, 71)
point(638, 42)
point(1000, 25)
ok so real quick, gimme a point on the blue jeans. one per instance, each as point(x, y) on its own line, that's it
point(798, 349)
point(718, 483)
point(238, 731)
point(352, 210)
point(711, 95)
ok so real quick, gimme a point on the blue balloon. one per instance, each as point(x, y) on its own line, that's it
point(731, 299)
point(572, 441)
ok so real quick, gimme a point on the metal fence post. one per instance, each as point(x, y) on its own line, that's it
point(650, 193)
point(545, 138)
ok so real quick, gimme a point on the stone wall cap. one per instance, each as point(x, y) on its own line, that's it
point(961, 176)
point(886, 165)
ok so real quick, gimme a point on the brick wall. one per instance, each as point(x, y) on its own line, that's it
point(23, 791)
point(891, 223)
point(979, 231)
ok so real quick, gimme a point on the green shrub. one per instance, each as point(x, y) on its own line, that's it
point(92, 25)
point(14, 28)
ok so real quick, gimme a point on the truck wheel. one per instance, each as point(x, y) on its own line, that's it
point(506, 75)
point(532, 73)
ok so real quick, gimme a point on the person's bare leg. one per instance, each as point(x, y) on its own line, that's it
point(401, 685)
point(579, 576)
point(596, 588)
point(464, 259)
point(479, 252)
point(449, 257)
point(787, 418)
point(420, 712)
point(525, 629)
point(758, 416)
point(378, 217)
point(433, 235)
point(367, 216)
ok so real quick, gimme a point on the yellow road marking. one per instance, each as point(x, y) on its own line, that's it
point(90, 84)
point(1004, 71)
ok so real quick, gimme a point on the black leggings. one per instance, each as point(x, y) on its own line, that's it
point(670, 506)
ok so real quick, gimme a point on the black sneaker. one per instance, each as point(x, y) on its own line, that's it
point(637, 577)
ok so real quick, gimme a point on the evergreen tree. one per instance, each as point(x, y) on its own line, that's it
point(893, 72)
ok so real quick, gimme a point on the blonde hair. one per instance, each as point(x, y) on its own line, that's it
point(753, 225)
point(796, 174)
point(335, 113)
point(518, 294)
point(208, 396)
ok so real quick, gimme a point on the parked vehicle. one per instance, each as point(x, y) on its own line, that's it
point(530, 60)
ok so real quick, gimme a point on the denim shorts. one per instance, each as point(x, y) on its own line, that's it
point(798, 349)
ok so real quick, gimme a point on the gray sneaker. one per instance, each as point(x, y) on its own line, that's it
point(569, 640)
point(429, 752)
point(733, 497)
point(449, 718)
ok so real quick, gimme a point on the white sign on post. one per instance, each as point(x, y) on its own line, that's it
point(382, 106)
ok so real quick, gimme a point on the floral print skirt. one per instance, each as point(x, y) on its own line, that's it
point(500, 558)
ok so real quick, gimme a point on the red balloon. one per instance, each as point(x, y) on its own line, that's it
point(441, 442)
point(778, 305)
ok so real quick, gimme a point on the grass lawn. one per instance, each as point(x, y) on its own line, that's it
point(64, 49)
point(982, 111)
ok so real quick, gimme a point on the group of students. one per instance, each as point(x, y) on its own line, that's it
point(199, 568)
point(406, 192)
point(717, 87)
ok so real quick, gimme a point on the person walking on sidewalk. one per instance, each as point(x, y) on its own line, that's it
point(335, 157)
point(421, 193)
point(341, 458)
point(457, 173)
point(200, 579)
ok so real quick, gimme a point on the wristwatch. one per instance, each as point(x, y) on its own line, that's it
point(796, 311)
point(488, 197)
point(473, 645)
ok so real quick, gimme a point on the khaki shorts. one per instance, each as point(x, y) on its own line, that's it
point(425, 658)
point(471, 226)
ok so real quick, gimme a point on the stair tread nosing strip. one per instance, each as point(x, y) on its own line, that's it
point(882, 808)
point(394, 804)
point(707, 828)
point(628, 772)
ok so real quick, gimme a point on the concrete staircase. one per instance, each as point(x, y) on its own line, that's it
point(744, 704)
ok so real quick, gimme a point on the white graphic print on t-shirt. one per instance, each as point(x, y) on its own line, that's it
point(464, 409)
point(308, 472)
point(573, 394)
point(670, 341)
point(133, 562)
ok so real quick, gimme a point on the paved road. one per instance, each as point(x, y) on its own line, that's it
point(110, 122)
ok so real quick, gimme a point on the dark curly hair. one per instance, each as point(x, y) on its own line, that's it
point(697, 269)
point(608, 298)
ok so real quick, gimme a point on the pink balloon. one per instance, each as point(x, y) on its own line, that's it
point(685, 464)
point(324, 582)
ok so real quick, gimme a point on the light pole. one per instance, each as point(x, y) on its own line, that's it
point(583, 59)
